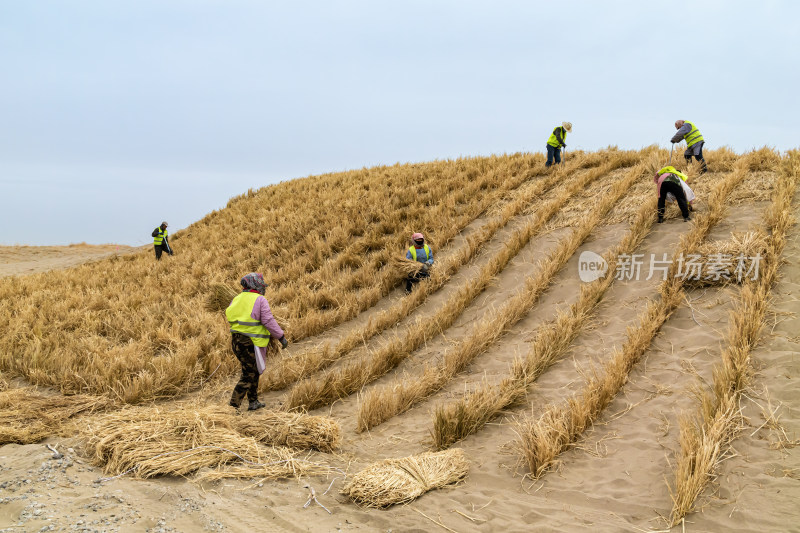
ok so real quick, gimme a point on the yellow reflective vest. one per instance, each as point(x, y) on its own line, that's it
point(238, 315)
point(671, 170)
point(693, 137)
point(414, 252)
point(552, 141)
point(160, 236)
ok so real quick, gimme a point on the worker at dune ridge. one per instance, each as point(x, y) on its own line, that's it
point(690, 196)
point(556, 142)
point(252, 327)
point(419, 251)
point(160, 241)
point(688, 132)
point(667, 183)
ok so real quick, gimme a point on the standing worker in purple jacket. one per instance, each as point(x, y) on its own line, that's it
point(688, 132)
point(252, 327)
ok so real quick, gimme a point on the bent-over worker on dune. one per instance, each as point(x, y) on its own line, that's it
point(688, 132)
point(670, 183)
point(556, 142)
point(420, 252)
point(252, 327)
point(160, 240)
point(690, 196)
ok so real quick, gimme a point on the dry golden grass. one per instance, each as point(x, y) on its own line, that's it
point(542, 440)
point(719, 261)
point(291, 368)
point(147, 442)
point(381, 403)
point(293, 430)
point(28, 415)
point(135, 329)
point(394, 481)
point(458, 419)
point(220, 297)
point(706, 435)
point(339, 382)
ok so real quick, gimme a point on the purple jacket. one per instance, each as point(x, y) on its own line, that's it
point(263, 314)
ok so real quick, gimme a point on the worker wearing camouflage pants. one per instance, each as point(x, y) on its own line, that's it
point(248, 383)
point(252, 328)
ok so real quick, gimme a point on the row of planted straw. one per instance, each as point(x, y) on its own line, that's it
point(706, 435)
point(338, 382)
point(542, 440)
point(462, 417)
point(459, 418)
point(381, 403)
point(289, 369)
point(135, 330)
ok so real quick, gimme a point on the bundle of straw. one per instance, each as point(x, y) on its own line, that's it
point(394, 481)
point(719, 260)
point(28, 415)
point(220, 297)
point(405, 267)
point(151, 441)
point(295, 430)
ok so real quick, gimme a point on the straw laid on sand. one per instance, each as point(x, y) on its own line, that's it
point(28, 415)
point(153, 441)
point(295, 430)
point(394, 481)
point(729, 261)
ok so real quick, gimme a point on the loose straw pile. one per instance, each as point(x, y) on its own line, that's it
point(718, 261)
point(152, 441)
point(394, 481)
point(28, 415)
point(220, 297)
point(405, 267)
point(295, 430)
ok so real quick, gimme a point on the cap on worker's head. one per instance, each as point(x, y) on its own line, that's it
point(567, 126)
point(417, 237)
point(164, 223)
point(679, 124)
point(253, 282)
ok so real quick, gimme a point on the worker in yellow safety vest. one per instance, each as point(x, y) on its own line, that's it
point(688, 132)
point(419, 251)
point(252, 327)
point(556, 142)
point(160, 240)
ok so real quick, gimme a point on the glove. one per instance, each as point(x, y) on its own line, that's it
point(284, 342)
point(563, 146)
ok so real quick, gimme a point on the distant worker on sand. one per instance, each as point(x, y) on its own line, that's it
point(556, 142)
point(688, 132)
point(252, 326)
point(421, 252)
point(670, 183)
point(160, 240)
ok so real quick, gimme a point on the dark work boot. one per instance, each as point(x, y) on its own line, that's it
point(255, 404)
point(660, 219)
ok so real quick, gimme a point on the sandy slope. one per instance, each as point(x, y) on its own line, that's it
point(615, 479)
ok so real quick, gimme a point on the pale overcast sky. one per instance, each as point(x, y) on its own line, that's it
point(115, 115)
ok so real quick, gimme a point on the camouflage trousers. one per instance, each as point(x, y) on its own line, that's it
point(248, 383)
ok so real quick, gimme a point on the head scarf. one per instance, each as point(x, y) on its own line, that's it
point(254, 282)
